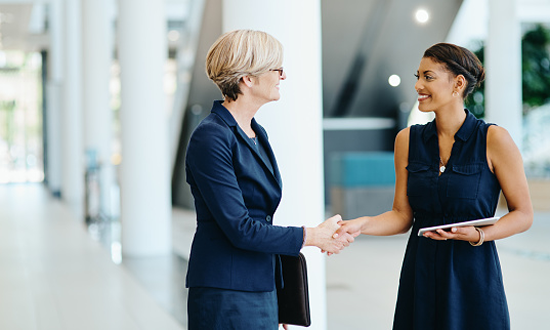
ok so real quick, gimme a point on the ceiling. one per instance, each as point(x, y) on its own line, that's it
point(23, 26)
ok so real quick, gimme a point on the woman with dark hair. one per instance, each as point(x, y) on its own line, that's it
point(447, 171)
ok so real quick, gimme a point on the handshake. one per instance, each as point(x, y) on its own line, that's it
point(331, 236)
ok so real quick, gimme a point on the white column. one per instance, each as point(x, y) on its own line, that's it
point(294, 123)
point(503, 64)
point(96, 51)
point(73, 166)
point(54, 101)
point(145, 169)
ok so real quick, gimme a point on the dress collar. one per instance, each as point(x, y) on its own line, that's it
point(463, 133)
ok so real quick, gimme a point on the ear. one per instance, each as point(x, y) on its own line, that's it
point(460, 83)
point(248, 81)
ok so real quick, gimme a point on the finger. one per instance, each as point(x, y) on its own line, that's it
point(444, 234)
point(350, 238)
point(434, 235)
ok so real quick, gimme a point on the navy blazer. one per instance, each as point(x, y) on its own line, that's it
point(236, 194)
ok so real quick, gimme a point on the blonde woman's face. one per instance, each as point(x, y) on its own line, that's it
point(266, 87)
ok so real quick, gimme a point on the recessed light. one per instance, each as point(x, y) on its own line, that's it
point(394, 80)
point(422, 16)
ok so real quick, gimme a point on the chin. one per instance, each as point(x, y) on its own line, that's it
point(424, 109)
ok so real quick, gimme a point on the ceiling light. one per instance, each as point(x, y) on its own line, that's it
point(394, 80)
point(422, 16)
point(173, 35)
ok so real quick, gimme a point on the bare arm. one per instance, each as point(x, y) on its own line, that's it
point(399, 219)
point(505, 160)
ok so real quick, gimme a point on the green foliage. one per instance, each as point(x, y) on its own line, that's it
point(536, 67)
point(535, 52)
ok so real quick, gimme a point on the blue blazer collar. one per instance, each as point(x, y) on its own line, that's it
point(228, 118)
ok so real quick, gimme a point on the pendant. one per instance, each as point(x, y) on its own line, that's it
point(442, 168)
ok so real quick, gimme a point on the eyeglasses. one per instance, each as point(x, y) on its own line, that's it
point(281, 72)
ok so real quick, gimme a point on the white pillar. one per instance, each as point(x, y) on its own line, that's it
point(503, 64)
point(294, 123)
point(73, 166)
point(96, 51)
point(54, 101)
point(145, 169)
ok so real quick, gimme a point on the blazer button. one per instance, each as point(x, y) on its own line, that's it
point(268, 218)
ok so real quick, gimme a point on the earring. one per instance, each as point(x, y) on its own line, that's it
point(455, 93)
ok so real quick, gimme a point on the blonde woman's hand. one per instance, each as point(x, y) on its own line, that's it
point(323, 236)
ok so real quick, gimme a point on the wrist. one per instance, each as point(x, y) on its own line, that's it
point(481, 237)
point(364, 224)
point(310, 235)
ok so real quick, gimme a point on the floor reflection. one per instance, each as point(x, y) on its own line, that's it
point(163, 277)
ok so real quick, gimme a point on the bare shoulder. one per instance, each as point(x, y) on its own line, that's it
point(401, 147)
point(499, 139)
point(502, 151)
point(403, 136)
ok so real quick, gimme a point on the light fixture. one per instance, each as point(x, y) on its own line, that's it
point(394, 80)
point(173, 35)
point(422, 16)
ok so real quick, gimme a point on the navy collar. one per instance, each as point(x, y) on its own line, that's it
point(224, 114)
point(228, 118)
point(463, 133)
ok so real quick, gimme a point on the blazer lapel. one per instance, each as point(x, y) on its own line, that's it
point(220, 110)
point(262, 138)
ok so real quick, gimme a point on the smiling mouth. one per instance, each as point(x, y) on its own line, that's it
point(422, 97)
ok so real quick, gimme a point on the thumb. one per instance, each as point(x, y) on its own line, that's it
point(341, 231)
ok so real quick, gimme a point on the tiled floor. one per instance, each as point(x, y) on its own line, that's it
point(53, 275)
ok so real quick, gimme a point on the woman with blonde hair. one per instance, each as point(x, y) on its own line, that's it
point(234, 267)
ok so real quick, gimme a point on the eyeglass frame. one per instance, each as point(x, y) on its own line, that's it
point(280, 70)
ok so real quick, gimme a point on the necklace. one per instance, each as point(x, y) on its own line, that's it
point(442, 168)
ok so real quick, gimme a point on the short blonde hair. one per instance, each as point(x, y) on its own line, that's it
point(241, 53)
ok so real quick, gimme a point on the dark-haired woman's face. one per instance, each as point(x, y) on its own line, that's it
point(434, 85)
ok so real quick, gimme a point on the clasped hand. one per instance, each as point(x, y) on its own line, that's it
point(326, 238)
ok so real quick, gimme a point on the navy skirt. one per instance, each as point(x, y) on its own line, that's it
point(220, 309)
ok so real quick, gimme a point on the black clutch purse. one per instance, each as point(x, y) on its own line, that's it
point(294, 296)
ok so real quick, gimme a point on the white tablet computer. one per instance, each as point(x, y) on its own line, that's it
point(478, 223)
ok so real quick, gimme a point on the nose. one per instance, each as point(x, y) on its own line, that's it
point(417, 86)
point(283, 77)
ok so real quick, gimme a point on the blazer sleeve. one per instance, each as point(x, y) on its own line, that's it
point(210, 165)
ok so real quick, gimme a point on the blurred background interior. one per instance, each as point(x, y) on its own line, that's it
point(99, 97)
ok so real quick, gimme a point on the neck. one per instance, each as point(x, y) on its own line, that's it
point(243, 112)
point(450, 120)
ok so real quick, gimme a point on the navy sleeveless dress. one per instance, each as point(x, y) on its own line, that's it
point(450, 285)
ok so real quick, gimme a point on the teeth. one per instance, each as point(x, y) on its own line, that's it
point(422, 97)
